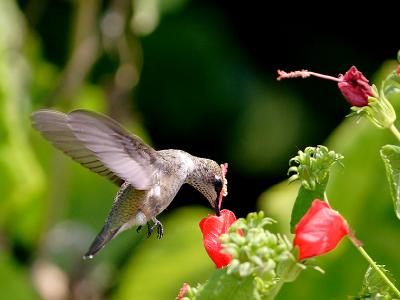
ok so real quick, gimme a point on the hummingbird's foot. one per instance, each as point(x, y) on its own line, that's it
point(149, 229)
point(160, 228)
point(139, 228)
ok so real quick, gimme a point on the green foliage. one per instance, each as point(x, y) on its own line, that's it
point(391, 158)
point(361, 193)
point(147, 13)
point(222, 285)
point(22, 184)
point(374, 287)
point(391, 84)
point(379, 110)
point(14, 281)
point(312, 168)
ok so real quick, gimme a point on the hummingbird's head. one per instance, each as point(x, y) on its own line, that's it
point(209, 179)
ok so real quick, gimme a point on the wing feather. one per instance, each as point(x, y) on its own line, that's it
point(99, 144)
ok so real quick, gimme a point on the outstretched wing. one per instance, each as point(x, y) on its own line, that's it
point(99, 144)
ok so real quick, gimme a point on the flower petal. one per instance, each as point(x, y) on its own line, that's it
point(320, 230)
point(212, 228)
point(355, 87)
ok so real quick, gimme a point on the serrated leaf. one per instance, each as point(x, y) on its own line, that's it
point(374, 287)
point(224, 286)
point(303, 202)
point(391, 84)
point(391, 158)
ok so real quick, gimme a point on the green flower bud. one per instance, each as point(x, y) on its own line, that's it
point(257, 252)
point(311, 167)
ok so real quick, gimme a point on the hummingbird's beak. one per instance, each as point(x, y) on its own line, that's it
point(216, 208)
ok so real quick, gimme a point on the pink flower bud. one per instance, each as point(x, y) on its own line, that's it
point(355, 87)
point(320, 230)
point(182, 291)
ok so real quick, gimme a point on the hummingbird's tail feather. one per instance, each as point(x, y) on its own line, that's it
point(100, 241)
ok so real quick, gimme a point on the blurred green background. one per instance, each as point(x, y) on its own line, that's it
point(187, 74)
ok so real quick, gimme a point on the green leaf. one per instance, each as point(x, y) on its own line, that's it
point(374, 287)
point(303, 202)
point(224, 286)
point(391, 158)
point(391, 84)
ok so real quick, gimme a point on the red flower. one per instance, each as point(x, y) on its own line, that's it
point(319, 231)
point(212, 228)
point(355, 87)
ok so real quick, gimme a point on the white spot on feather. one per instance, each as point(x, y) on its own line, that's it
point(156, 191)
point(140, 218)
point(187, 161)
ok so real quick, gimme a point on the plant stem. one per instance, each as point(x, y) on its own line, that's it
point(326, 197)
point(395, 131)
point(375, 266)
point(325, 76)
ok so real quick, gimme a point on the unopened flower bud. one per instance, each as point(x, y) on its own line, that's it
point(355, 87)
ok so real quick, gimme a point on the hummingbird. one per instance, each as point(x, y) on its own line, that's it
point(148, 179)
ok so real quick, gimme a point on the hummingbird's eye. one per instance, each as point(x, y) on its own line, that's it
point(218, 184)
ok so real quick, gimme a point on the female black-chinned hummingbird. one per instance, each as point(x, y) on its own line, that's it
point(148, 179)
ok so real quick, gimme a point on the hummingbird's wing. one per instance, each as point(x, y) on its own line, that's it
point(100, 144)
point(122, 152)
point(54, 127)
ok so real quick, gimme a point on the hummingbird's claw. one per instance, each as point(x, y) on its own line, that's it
point(149, 229)
point(139, 228)
point(160, 229)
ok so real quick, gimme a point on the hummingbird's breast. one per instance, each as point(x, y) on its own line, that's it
point(136, 207)
point(169, 179)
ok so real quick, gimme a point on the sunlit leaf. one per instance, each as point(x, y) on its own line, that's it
point(391, 158)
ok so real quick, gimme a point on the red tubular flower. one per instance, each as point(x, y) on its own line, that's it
point(320, 230)
point(212, 228)
point(355, 87)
